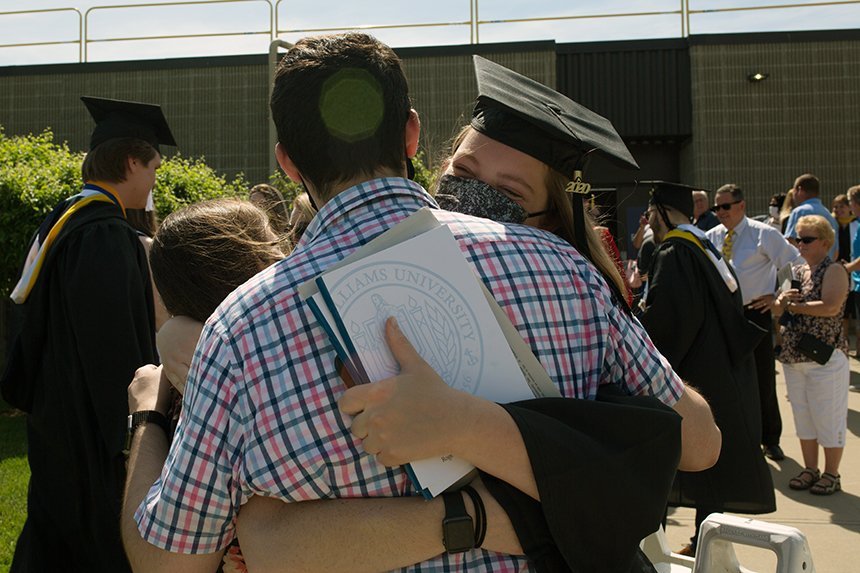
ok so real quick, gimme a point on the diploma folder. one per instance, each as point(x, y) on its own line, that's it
point(416, 272)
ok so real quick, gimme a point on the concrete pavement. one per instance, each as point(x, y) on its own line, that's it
point(830, 523)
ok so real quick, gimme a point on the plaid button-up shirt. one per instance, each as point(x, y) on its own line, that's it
point(260, 410)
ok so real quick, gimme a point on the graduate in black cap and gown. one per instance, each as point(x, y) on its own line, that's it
point(85, 322)
point(521, 161)
point(693, 311)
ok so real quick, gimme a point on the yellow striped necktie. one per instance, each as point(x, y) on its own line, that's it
point(727, 245)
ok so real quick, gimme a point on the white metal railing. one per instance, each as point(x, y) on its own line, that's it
point(86, 40)
point(79, 41)
point(273, 29)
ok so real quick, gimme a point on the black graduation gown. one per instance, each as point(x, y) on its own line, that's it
point(698, 325)
point(87, 325)
point(603, 470)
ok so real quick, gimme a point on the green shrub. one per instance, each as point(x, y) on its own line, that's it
point(36, 173)
point(182, 181)
point(423, 174)
point(289, 189)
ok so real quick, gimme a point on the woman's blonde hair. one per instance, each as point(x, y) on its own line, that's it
point(787, 205)
point(300, 217)
point(820, 226)
point(560, 214)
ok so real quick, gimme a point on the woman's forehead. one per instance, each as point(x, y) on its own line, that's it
point(487, 152)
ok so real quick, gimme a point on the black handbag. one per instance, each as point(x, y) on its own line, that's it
point(814, 349)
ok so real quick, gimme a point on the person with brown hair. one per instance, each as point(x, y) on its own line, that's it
point(202, 252)
point(806, 197)
point(86, 307)
point(199, 255)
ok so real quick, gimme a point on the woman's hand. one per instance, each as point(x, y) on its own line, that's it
point(787, 297)
point(411, 416)
point(176, 342)
point(149, 390)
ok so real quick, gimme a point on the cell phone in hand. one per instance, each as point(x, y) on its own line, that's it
point(795, 284)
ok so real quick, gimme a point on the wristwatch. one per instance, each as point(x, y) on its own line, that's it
point(143, 417)
point(458, 530)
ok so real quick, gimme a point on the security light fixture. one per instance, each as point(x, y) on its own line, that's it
point(757, 77)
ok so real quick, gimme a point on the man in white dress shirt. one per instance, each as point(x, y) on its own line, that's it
point(756, 252)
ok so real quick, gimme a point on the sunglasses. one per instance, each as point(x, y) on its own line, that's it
point(724, 206)
point(807, 240)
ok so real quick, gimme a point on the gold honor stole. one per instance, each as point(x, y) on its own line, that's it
point(39, 250)
point(718, 262)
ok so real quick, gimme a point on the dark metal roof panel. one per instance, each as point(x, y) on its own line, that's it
point(644, 91)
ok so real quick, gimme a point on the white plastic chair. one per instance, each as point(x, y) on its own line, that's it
point(656, 549)
point(715, 552)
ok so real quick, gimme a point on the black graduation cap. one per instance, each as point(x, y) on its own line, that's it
point(117, 118)
point(539, 121)
point(673, 195)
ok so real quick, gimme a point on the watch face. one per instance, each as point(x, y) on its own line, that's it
point(458, 534)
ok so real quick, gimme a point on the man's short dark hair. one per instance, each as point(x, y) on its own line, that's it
point(340, 105)
point(737, 192)
point(107, 162)
point(809, 183)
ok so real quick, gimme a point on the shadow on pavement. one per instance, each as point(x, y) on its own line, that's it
point(841, 505)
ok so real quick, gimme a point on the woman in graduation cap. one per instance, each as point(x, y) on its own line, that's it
point(521, 159)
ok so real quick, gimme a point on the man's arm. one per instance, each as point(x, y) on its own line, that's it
point(789, 227)
point(701, 438)
point(416, 415)
point(149, 391)
point(352, 535)
point(356, 535)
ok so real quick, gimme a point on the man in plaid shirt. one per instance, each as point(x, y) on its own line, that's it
point(261, 417)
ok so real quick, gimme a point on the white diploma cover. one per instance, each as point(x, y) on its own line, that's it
point(416, 273)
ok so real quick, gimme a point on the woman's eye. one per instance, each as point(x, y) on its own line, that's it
point(463, 172)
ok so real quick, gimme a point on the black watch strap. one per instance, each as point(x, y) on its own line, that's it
point(458, 531)
point(144, 417)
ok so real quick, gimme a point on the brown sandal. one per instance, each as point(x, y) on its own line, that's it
point(827, 485)
point(805, 479)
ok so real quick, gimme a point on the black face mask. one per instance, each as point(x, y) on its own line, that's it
point(474, 197)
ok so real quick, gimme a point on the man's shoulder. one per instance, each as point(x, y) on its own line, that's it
point(762, 227)
point(716, 232)
point(804, 209)
point(98, 226)
point(679, 248)
point(475, 230)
